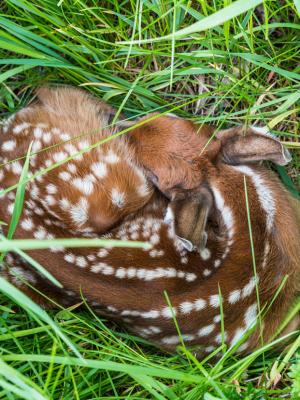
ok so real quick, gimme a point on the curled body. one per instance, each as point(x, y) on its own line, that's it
point(221, 278)
point(63, 123)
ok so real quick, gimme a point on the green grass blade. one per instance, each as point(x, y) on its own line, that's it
point(216, 19)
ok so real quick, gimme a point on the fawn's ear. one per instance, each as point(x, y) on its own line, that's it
point(188, 211)
point(169, 150)
point(251, 145)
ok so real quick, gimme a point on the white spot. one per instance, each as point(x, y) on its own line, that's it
point(214, 300)
point(184, 260)
point(217, 263)
point(99, 169)
point(205, 254)
point(38, 133)
point(40, 233)
point(79, 213)
point(186, 307)
point(81, 262)
point(234, 296)
point(150, 314)
point(71, 149)
point(154, 239)
point(225, 211)
point(155, 329)
point(21, 127)
point(206, 272)
point(16, 167)
point(220, 339)
point(169, 216)
point(243, 347)
point(143, 190)
point(217, 318)
point(56, 131)
point(206, 330)
point(10, 208)
point(171, 340)
point(250, 316)
point(37, 145)
point(190, 277)
point(46, 137)
point(51, 189)
point(117, 198)
point(65, 136)
point(65, 176)
point(84, 185)
point(48, 163)
point(9, 145)
point(102, 253)
point(200, 304)
point(27, 224)
point(65, 204)
point(112, 309)
point(70, 258)
point(237, 336)
point(120, 273)
point(60, 156)
point(209, 349)
point(50, 200)
point(131, 272)
point(98, 267)
point(84, 145)
point(111, 157)
point(168, 312)
point(266, 253)
point(248, 289)
point(38, 211)
point(265, 195)
point(72, 168)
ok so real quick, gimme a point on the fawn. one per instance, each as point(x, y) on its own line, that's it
point(200, 205)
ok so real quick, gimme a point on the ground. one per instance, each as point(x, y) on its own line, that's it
point(239, 67)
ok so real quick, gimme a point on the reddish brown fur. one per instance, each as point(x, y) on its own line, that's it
point(62, 113)
point(137, 301)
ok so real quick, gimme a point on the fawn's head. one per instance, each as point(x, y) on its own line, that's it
point(182, 159)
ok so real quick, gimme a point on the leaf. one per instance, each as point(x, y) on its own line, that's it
point(35, 244)
point(216, 19)
point(14, 71)
point(297, 5)
point(20, 194)
point(35, 310)
point(287, 181)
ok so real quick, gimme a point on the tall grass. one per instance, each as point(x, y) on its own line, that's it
point(223, 62)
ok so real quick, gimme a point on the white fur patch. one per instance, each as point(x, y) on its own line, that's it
point(205, 254)
point(20, 128)
point(9, 145)
point(111, 157)
point(99, 169)
point(27, 224)
point(264, 194)
point(214, 300)
point(117, 198)
point(234, 296)
point(206, 330)
point(79, 212)
point(84, 185)
point(168, 312)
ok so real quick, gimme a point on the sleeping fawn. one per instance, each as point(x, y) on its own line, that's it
point(197, 200)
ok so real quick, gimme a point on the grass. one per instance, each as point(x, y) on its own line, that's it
point(241, 65)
